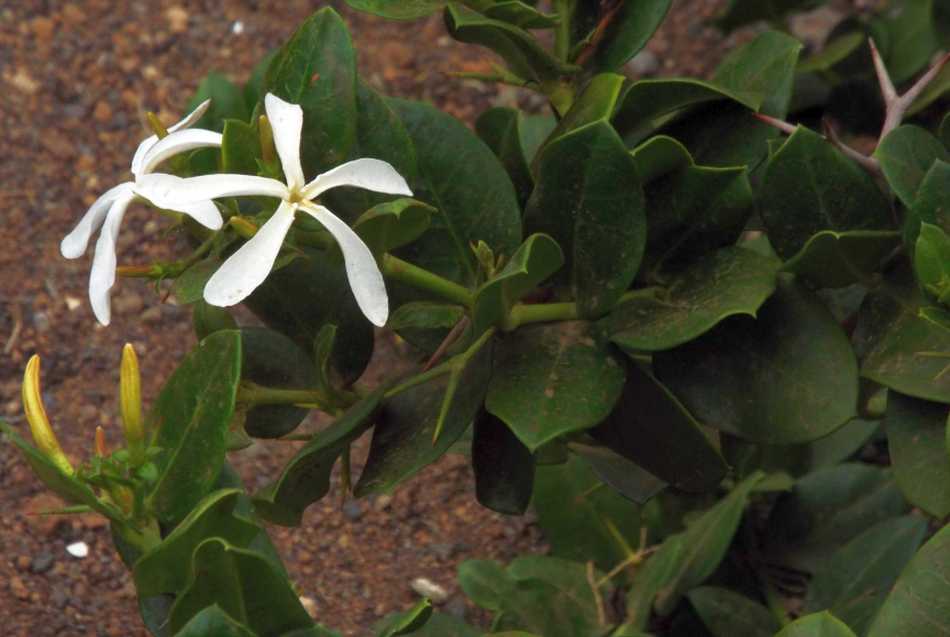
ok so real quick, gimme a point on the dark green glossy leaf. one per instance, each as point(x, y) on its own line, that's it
point(836, 259)
point(213, 622)
point(504, 467)
point(270, 359)
point(905, 155)
point(581, 517)
point(227, 102)
point(207, 319)
point(944, 130)
point(190, 284)
point(822, 624)
point(167, 568)
point(623, 476)
point(932, 262)
point(916, 436)
point(837, 49)
point(190, 419)
point(589, 200)
point(658, 156)
point(501, 129)
point(738, 13)
point(686, 559)
point(403, 439)
point(538, 258)
point(475, 204)
point(409, 622)
point(827, 509)
point(245, 585)
point(551, 379)
point(651, 428)
point(919, 603)
point(596, 103)
point(305, 478)
point(440, 625)
point(240, 147)
point(762, 72)
point(728, 282)
point(520, 14)
point(788, 376)
point(424, 324)
point(398, 9)
point(302, 297)
point(854, 581)
point(631, 28)
point(390, 225)
point(913, 38)
point(316, 68)
point(898, 348)
point(726, 613)
point(809, 186)
point(930, 206)
point(521, 51)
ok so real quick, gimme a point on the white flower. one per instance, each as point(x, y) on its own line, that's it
point(109, 209)
point(249, 266)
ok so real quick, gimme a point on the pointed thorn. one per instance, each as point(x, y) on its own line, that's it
point(883, 77)
point(782, 125)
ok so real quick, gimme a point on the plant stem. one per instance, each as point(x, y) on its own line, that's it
point(256, 394)
point(405, 272)
point(565, 311)
point(562, 34)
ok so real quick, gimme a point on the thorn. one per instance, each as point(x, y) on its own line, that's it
point(450, 338)
point(896, 105)
point(868, 163)
point(782, 125)
point(883, 77)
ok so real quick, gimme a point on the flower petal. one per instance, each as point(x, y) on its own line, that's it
point(363, 273)
point(371, 174)
point(249, 266)
point(102, 275)
point(171, 192)
point(204, 212)
point(286, 121)
point(74, 244)
point(175, 143)
point(147, 143)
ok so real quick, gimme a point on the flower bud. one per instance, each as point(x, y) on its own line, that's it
point(268, 150)
point(130, 398)
point(101, 450)
point(40, 426)
point(156, 125)
point(245, 229)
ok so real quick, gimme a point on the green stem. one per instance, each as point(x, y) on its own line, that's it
point(566, 311)
point(405, 272)
point(562, 34)
point(252, 393)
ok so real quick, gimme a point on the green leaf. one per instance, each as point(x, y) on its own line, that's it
point(919, 603)
point(854, 581)
point(581, 518)
point(686, 559)
point(438, 625)
point(762, 71)
point(190, 419)
point(651, 428)
point(409, 622)
point(502, 130)
point(302, 297)
point(245, 585)
point(905, 155)
point(423, 324)
point(898, 348)
point(477, 203)
point(631, 28)
point(916, 433)
point(589, 200)
point(270, 359)
point(504, 468)
point(316, 68)
point(832, 259)
point(827, 509)
point(520, 14)
point(305, 478)
point(695, 210)
point(240, 147)
point(167, 568)
point(595, 103)
point(398, 9)
point(658, 156)
point(728, 282)
point(190, 284)
point(521, 51)
point(227, 102)
point(390, 225)
point(836, 50)
point(213, 622)
point(726, 613)
point(623, 476)
point(930, 206)
point(207, 319)
point(738, 13)
point(913, 38)
point(66, 486)
point(809, 186)
point(788, 376)
point(404, 437)
point(551, 379)
point(944, 130)
point(932, 261)
point(538, 258)
point(822, 624)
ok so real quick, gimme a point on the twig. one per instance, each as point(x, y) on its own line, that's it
point(447, 342)
point(610, 10)
point(896, 105)
point(17, 312)
point(598, 599)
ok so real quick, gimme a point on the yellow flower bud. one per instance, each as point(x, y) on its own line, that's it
point(42, 431)
point(156, 125)
point(130, 399)
point(245, 228)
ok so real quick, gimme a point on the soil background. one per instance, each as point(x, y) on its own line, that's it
point(75, 82)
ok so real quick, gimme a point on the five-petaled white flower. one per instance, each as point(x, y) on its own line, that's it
point(109, 209)
point(249, 266)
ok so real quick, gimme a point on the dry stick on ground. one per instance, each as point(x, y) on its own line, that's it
point(895, 106)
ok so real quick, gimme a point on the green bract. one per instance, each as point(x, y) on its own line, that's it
point(709, 347)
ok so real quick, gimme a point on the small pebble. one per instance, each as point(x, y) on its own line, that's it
point(42, 563)
point(237, 28)
point(427, 588)
point(78, 550)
